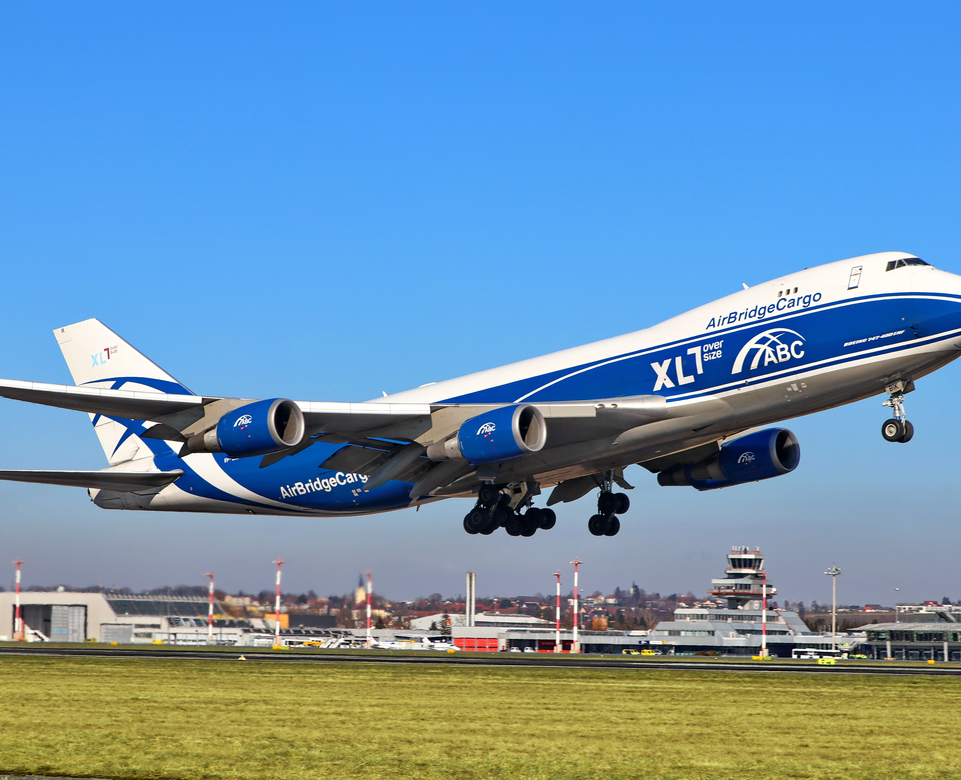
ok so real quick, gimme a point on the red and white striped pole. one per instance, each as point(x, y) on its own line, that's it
point(370, 588)
point(279, 563)
point(17, 621)
point(210, 610)
point(557, 616)
point(764, 617)
point(576, 645)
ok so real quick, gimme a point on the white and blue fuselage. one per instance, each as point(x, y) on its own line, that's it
point(798, 344)
point(801, 343)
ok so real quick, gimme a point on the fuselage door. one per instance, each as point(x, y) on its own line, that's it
point(855, 278)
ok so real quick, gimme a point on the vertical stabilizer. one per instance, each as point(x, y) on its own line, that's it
point(98, 357)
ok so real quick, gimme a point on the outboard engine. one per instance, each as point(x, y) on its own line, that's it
point(751, 458)
point(255, 429)
point(502, 434)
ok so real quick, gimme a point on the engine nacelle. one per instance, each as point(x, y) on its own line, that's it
point(759, 455)
point(255, 429)
point(501, 434)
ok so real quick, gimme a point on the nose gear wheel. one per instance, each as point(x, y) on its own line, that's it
point(898, 428)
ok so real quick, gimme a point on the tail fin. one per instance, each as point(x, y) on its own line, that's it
point(98, 357)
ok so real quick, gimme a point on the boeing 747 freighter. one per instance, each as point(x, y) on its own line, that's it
point(687, 399)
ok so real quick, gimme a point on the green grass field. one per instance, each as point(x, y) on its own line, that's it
point(130, 718)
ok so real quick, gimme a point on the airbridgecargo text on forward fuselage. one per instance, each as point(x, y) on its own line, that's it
point(318, 485)
point(761, 311)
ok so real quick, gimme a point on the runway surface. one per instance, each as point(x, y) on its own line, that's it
point(540, 660)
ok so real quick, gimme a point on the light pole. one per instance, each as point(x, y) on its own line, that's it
point(833, 573)
point(897, 615)
point(279, 563)
point(557, 616)
point(370, 588)
point(17, 620)
point(210, 610)
point(576, 645)
point(764, 617)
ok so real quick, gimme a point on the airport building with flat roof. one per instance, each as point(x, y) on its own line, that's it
point(485, 619)
point(66, 616)
point(929, 641)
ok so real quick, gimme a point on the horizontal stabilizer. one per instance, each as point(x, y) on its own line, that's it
point(122, 481)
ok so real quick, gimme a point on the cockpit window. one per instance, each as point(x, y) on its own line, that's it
point(905, 261)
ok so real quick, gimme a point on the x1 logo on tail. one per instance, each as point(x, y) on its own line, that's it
point(100, 358)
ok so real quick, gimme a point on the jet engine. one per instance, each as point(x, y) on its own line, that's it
point(502, 434)
point(751, 458)
point(255, 429)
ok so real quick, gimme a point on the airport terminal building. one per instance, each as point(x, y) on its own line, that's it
point(745, 625)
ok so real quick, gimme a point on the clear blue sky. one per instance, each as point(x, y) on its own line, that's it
point(326, 201)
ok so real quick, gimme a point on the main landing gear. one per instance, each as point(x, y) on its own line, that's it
point(898, 428)
point(500, 506)
point(609, 506)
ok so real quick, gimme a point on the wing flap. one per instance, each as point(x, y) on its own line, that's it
point(370, 419)
point(122, 481)
point(355, 460)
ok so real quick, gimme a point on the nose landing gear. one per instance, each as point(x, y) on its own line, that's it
point(898, 428)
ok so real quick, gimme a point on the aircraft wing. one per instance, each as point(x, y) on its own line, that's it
point(131, 404)
point(386, 440)
point(123, 481)
point(686, 457)
point(147, 405)
point(566, 422)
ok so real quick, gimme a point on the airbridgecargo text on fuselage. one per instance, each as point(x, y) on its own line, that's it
point(318, 485)
point(761, 311)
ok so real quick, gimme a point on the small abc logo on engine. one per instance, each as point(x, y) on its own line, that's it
point(244, 419)
point(486, 429)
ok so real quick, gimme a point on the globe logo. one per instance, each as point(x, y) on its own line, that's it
point(771, 346)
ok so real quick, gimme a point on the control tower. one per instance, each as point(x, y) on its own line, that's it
point(742, 587)
point(739, 628)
